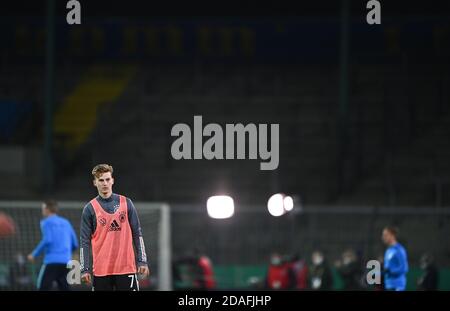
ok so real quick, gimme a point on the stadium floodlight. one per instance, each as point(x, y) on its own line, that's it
point(275, 205)
point(288, 203)
point(220, 206)
point(279, 204)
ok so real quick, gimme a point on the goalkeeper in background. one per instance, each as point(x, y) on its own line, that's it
point(395, 261)
point(110, 226)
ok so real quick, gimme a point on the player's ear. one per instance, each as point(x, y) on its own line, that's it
point(94, 182)
point(112, 180)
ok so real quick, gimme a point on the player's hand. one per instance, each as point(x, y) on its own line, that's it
point(30, 257)
point(144, 271)
point(86, 278)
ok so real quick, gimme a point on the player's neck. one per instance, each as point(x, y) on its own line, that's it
point(105, 196)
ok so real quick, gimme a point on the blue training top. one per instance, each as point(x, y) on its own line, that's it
point(395, 267)
point(58, 240)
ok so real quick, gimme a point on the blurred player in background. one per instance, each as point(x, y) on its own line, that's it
point(395, 261)
point(280, 275)
point(205, 279)
point(110, 224)
point(429, 280)
point(19, 274)
point(200, 270)
point(349, 269)
point(58, 242)
point(299, 269)
point(321, 277)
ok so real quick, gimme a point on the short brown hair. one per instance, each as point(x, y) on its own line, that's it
point(51, 205)
point(393, 230)
point(101, 169)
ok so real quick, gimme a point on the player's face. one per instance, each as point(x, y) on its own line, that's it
point(104, 184)
point(44, 210)
point(386, 237)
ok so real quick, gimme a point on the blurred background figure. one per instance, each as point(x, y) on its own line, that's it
point(279, 275)
point(205, 279)
point(299, 269)
point(194, 271)
point(320, 272)
point(395, 261)
point(58, 242)
point(20, 274)
point(429, 279)
point(256, 283)
point(349, 269)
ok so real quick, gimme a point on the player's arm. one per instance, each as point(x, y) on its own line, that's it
point(87, 228)
point(395, 265)
point(138, 240)
point(401, 265)
point(42, 244)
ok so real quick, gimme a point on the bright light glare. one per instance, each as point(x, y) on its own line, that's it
point(220, 206)
point(275, 205)
point(288, 203)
